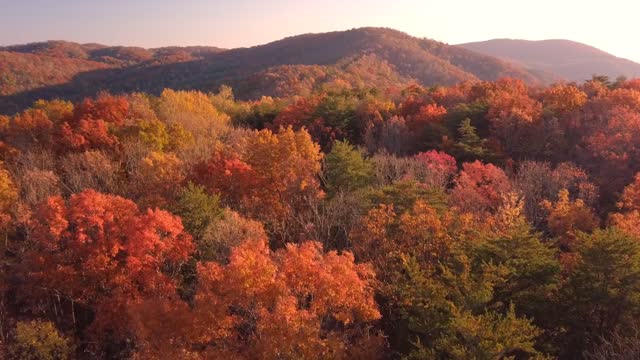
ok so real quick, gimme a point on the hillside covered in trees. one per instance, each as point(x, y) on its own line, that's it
point(299, 65)
point(481, 220)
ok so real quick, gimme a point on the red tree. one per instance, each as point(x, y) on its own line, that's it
point(103, 253)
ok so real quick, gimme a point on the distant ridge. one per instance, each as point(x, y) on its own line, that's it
point(572, 60)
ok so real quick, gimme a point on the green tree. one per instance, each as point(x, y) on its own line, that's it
point(470, 145)
point(346, 169)
point(602, 294)
point(404, 194)
point(197, 209)
point(530, 271)
point(486, 336)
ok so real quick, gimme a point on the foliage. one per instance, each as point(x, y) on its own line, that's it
point(269, 305)
point(458, 222)
point(105, 254)
point(346, 169)
point(39, 340)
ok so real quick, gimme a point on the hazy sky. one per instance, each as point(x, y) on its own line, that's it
point(609, 25)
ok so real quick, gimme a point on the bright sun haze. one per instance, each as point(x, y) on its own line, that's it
point(610, 26)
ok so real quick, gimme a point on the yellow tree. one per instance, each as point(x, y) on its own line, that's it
point(8, 197)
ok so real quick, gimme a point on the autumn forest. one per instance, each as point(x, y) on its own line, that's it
point(349, 210)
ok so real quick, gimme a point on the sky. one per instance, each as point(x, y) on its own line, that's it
point(610, 25)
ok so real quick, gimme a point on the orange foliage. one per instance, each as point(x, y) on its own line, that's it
point(563, 99)
point(296, 303)
point(273, 176)
point(383, 235)
point(630, 199)
point(566, 218)
point(508, 98)
point(108, 108)
point(427, 114)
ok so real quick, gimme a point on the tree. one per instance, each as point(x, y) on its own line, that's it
point(630, 199)
point(485, 336)
point(57, 110)
point(193, 116)
point(270, 180)
point(600, 296)
point(8, 198)
point(562, 99)
point(106, 107)
point(446, 311)
point(296, 303)
point(628, 220)
point(469, 145)
point(389, 135)
point(39, 340)
point(91, 169)
point(197, 209)
point(538, 182)
point(223, 233)
point(566, 219)
point(103, 254)
point(384, 234)
point(479, 188)
point(346, 169)
point(29, 128)
point(529, 270)
point(439, 168)
point(155, 179)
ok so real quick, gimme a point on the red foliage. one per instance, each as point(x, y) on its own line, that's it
point(480, 188)
point(301, 114)
point(440, 166)
point(102, 252)
point(108, 108)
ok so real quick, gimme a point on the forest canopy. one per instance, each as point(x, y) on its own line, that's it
point(482, 220)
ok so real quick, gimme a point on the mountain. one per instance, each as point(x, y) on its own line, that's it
point(572, 60)
point(296, 65)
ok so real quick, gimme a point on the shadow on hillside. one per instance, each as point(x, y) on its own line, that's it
point(198, 74)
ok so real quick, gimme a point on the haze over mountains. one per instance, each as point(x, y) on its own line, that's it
point(298, 65)
point(571, 60)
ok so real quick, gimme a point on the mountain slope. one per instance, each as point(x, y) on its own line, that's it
point(300, 64)
point(571, 60)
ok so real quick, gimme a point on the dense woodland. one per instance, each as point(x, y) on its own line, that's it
point(485, 220)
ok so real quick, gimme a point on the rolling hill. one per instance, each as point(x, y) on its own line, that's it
point(295, 65)
point(572, 60)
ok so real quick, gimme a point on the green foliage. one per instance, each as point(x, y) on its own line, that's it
point(601, 296)
point(531, 272)
point(225, 102)
point(475, 111)
point(39, 340)
point(260, 113)
point(404, 194)
point(470, 146)
point(489, 298)
point(446, 313)
point(489, 336)
point(339, 111)
point(346, 169)
point(197, 209)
